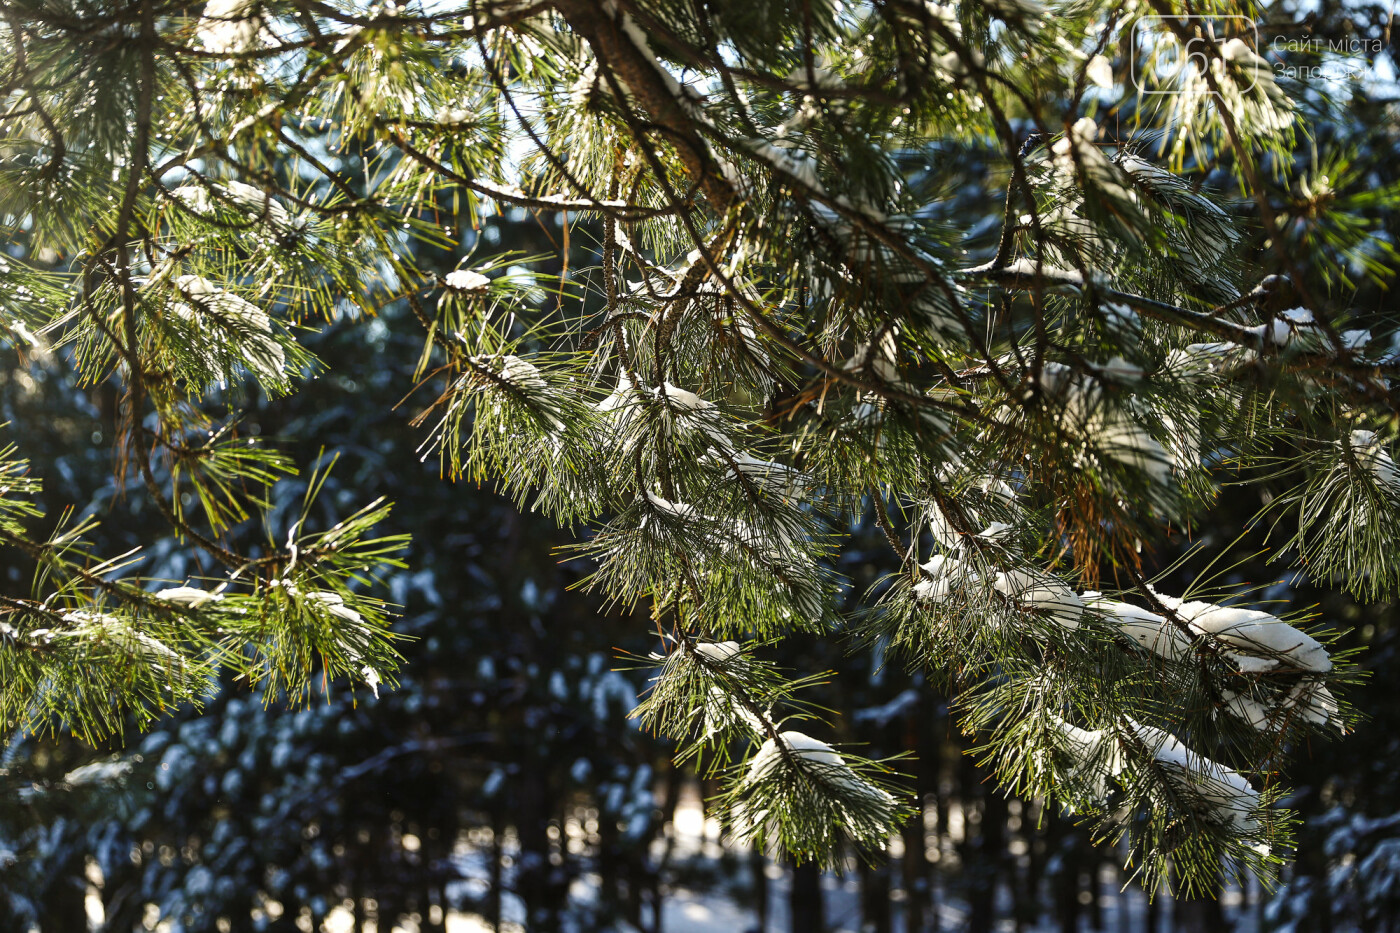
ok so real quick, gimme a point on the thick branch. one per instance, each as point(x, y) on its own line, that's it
point(611, 42)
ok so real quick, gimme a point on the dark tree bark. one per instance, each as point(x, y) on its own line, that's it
point(806, 899)
point(1155, 908)
point(875, 897)
point(1203, 913)
point(638, 75)
point(496, 895)
point(1063, 874)
point(914, 871)
point(1028, 897)
point(758, 865)
point(62, 906)
point(985, 871)
point(1091, 884)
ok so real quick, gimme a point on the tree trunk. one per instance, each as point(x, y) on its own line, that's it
point(63, 908)
point(920, 737)
point(758, 864)
point(806, 899)
point(991, 844)
point(496, 896)
point(1202, 913)
point(535, 871)
point(914, 871)
point(1155, 906)
point(1028, 904)
point(1063, 874)
point(875, 897)
point(1091, 884)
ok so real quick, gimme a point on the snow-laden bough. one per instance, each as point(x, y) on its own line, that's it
point(817, 761)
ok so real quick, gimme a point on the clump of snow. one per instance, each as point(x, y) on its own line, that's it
point(690, 412)
point(1255, 98)
point(1316, 703)
point(1224, 791)
point(1076, 150)
point(676, 510)
point(1309, 698)
point(775, 542)
point(1099, 71)
point(775, 477)
point(1043, 593)
point(1000, 488)
point(794, 163)
point(683, 399)
point(335, 605)
point(622, 397)
point(1356, 339)
point(1208, 360)
point(522, 374)
point(818, 761)
point(1084, 742)
point(1244, 86)
point(1090, 414)
point(1373, 457)
point(191, 597)
point(452, 116)
point(944, 573)
point(354, 639)
point(996, 530)
point(1258, 714)
point(1154, 632)
point(719, 710)
point(233, 318)
point(1256, 641)
point(586, 85)
point(229, 27)
point(946, 535)
point(1046, 272)
point(100, 627)
point(1294, 326)
point(245, 197)
point(718, 652)
point(1096, 752)
point(942, 530)
point(467, 280)
point(1216, 230)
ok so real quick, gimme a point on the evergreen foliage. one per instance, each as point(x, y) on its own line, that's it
point(789, 331)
